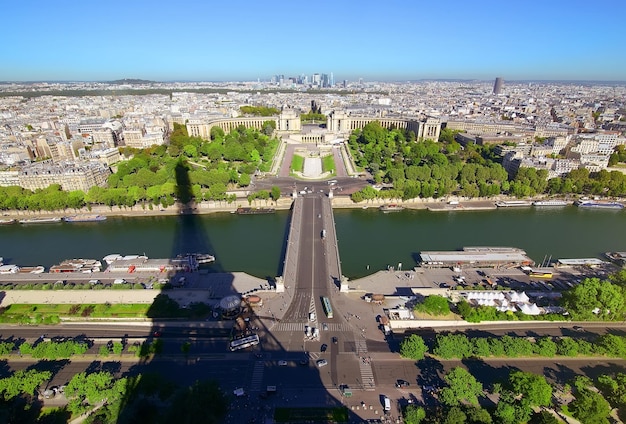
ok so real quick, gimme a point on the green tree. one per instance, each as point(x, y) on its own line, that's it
point(611, 345)
point(546, 347)
point(589, 406)
point(23, 382)
point(478, 415)
point(414, 414)
point(275, 193)
point(434, 305)
point(510, 413)
point(544, 417)
point(244, 180)
point(462, 388)
point(86, 390)
point(190, 151)
point(567, 346)
point(595, 298)
point(453, 346)
point(455, 415)
point(413, 347)
point(104, 351)
point(614, 389)
point(532, 387)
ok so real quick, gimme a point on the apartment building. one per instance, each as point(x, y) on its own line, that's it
point(69, 175)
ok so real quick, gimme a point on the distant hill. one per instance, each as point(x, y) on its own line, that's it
point(131, 81)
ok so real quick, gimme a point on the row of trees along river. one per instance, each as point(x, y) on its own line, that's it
point(415, 168)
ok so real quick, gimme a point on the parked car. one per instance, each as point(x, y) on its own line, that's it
point(282, 363)
point(402, 383)
point(324, 347)
point(321, 363)
point(335, 340)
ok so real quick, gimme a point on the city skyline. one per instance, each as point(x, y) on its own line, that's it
point(246, 41)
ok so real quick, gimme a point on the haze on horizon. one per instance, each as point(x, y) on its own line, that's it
point(249, 40)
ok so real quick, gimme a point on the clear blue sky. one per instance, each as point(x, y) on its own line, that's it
point(230, 40)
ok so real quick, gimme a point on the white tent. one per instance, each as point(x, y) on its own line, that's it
point(506, 308)
point(529, 309)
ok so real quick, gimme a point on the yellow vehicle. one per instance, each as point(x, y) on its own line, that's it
point(537, 274)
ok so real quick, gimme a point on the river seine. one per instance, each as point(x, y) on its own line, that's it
point(368, 239)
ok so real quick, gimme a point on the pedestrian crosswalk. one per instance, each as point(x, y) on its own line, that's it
point(257, 376)
point(299, 326)
point(365, 366)
point(312, 311)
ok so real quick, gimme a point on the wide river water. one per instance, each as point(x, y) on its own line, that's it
point(368, 239)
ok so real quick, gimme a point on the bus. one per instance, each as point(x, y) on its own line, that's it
point(328, 310)
point(539, 274)
point(244, 342)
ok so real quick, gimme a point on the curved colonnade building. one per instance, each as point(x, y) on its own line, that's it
point(339, 124)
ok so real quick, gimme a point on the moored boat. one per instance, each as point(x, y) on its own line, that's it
point(197, 258)
point(391, 207)
point(7, 221)
point(39, 220)
point(254, 211)
point(32, 269)
point(513, 203)
point(617, 257)
point(77, 265)
point(554, 202)
point(594, 204)
point(9, 269)
point(84, 218)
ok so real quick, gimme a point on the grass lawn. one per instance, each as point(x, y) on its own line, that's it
point(297, 163)
point(328, 164)
point(37, 313)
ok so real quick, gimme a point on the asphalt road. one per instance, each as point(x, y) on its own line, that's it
point(304, 383)
point(314, 281)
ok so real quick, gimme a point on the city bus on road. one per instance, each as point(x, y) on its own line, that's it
point(244, 342)
point(328, 310)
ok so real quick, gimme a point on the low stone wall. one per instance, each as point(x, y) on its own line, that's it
point(406, 324)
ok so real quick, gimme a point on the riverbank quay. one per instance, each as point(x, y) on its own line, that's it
point(284, 203)
point(398, 288)
point(206, 288)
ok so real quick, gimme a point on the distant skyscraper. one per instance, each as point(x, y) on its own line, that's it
point(497, 86)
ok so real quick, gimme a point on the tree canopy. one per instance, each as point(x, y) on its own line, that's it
point(462, 387)
point(413, 347)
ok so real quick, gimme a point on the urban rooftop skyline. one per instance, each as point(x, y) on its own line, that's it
point(248, 40)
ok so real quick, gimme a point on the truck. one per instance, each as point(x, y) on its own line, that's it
point(384, 324)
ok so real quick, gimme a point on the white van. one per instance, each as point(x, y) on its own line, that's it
point(94, 282)
point(119, 281)
point(387, 404)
